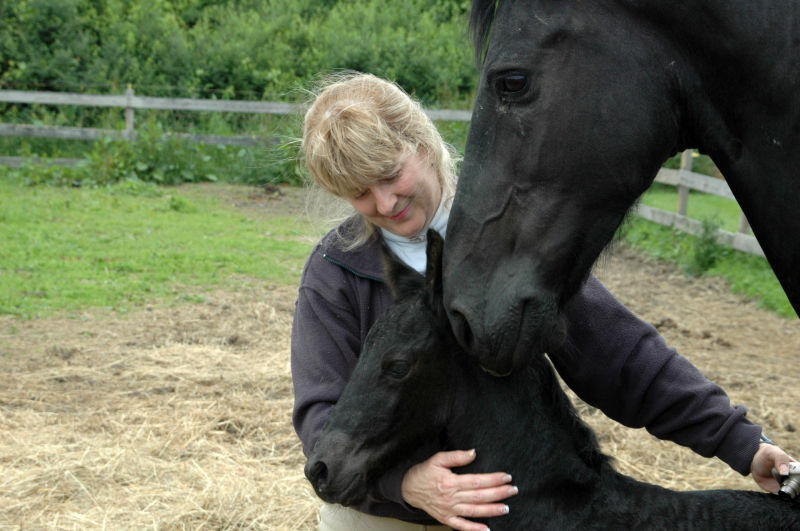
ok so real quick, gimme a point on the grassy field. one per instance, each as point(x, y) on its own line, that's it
point(725, 212)
point(126, 245)
point(66, 249)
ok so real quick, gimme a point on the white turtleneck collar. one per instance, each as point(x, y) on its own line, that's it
point(412, 250)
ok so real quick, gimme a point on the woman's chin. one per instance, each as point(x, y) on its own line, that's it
point(407, 229)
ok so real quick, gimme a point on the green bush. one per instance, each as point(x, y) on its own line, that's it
point(156, 157)
point(706, 252)
point(242, 49)
point(226, 49)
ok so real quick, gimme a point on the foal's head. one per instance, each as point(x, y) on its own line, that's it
point(396, 397)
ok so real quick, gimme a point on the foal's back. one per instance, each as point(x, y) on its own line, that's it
point(525, 424)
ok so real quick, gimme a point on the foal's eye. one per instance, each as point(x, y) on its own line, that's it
point(397, 369)
point(512, 84)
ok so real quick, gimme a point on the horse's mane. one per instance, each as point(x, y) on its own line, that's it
point(480, 25)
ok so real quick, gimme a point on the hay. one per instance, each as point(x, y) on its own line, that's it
point(171, 418)
point(179, 417)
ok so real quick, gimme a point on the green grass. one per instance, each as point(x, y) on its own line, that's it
point(63, 250)
point(700, 206)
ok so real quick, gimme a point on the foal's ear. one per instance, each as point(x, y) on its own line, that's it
point(433, 273)
point(403, 281)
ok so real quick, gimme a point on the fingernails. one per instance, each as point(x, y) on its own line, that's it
point(471, 453)
point(506, 509)
point(507, 479)
point(784, 469)
point(516, 489)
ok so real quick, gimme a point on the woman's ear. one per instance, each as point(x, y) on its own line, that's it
point(403, 281)
point(433, 274)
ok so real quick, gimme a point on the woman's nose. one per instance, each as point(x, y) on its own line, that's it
point(385, 199)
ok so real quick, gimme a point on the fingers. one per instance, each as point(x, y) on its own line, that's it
point(472, 488)
point(462, 512)
point(465, 482)
point(766, 458)
point(485, 495)
point(454, 498)
point(454, 458)
point(462, 524)
point(475, 482)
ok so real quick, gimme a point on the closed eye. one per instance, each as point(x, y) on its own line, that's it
point(392, 176)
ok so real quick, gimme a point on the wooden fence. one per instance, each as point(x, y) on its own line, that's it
point(684, 179)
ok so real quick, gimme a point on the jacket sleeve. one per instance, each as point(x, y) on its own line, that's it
point(621, 365)
point(324, 352)
point(327, 334)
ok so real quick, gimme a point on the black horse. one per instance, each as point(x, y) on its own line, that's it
point(579, 104)
point(414, 382)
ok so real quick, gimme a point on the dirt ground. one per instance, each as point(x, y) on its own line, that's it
point(179, 417)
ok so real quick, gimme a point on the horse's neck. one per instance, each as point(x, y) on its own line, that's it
point(744, 29)
point(742, 108)
point(743, 52)
point(744, 55)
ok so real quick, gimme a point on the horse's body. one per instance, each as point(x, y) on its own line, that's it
point(580, 102)
point(414, 382)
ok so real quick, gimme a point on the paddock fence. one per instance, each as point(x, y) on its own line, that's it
point(684, 179)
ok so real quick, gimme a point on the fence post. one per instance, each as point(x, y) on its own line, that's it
point(129, 118)
point(683, 191)
point(744, 225)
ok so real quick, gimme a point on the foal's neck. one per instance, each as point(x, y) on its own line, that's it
point(525, 418)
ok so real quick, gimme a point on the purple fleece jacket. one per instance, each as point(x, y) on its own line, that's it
point(611, 359)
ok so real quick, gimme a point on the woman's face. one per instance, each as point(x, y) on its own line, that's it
point(405, 202)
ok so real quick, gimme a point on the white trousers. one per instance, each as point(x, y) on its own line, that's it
point(334, 517)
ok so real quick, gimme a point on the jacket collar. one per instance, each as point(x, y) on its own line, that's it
point(365, 261)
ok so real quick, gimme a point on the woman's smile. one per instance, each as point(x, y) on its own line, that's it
point(402, 213)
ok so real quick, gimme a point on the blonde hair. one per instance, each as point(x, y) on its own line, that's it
point(358, 129)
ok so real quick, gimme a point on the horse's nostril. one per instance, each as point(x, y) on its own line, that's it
point(317, 472)
point(461, 329)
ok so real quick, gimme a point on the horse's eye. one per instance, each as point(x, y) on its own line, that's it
point(397, 369)
point(512, 84)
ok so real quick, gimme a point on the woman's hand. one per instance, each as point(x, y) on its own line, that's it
point(449, 497)
point(768, 457)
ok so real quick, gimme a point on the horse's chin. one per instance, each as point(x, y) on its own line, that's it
point(353, 494)
point(337, 474)
point(536, 332)
point(344, 489)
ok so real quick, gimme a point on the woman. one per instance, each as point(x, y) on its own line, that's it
point(368, 142)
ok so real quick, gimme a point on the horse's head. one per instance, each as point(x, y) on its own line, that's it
point(395, 397)
point(575, 113)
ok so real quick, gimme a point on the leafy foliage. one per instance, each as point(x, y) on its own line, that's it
point(156, 157)
point(242, 49)
point(706, 250)
point(227, 49)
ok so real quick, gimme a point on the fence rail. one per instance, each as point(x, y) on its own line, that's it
point(741, 240)
point(684, 179)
